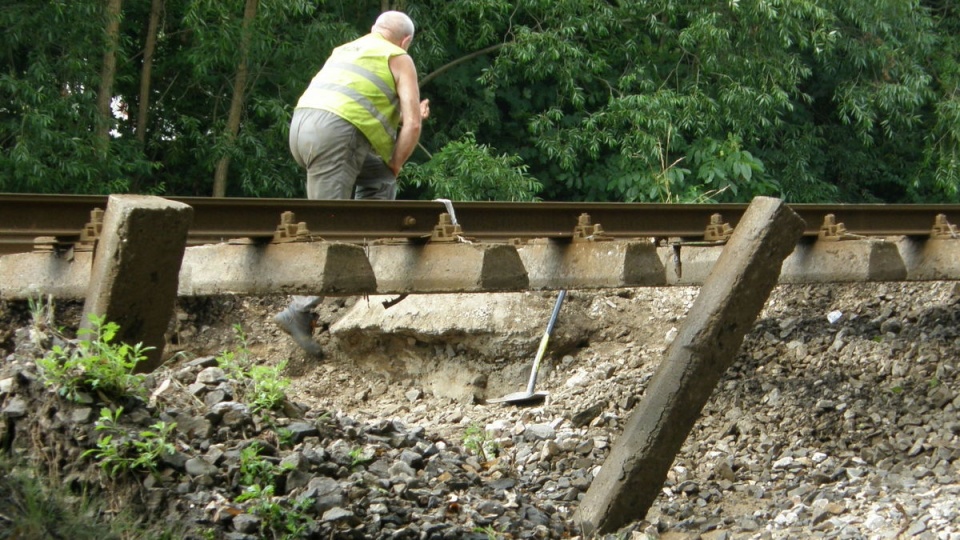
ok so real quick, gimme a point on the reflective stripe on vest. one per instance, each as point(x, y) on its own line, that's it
point(356, 84)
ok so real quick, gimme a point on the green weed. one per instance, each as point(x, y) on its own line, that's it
point(277, 521)
point(254, 469)
point(475, 440)
point(358, 457)
point(262, 387)
point(257, 476)
point(489, 531)
point(268, 388)
point(95, 364)
point(285, 437)
point(119, 451)
point(41, 317)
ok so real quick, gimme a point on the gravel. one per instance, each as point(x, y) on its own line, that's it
point(838, 420)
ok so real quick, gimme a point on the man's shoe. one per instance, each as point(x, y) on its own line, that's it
point(298, 325)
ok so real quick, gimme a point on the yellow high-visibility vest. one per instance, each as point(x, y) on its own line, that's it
point(356, 84)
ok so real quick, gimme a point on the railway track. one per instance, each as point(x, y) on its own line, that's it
point(63, 219)
point(140, 266)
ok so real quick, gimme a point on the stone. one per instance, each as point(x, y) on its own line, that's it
point(200, 467)
point(15, 408)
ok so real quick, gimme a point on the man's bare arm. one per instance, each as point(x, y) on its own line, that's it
point(408, 90)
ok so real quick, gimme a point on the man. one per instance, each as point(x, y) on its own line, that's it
point(353, 129)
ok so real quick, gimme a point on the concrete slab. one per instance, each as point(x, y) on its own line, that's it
point(469, 346)
point(843, 261)
point(694, 264)
point(31, 275)
point(494, 325)
point(592, 265)
point(706, 345)
point(447, 267)
point(930, 259)
point(135, 270)
point(440, 268)
point(811, 262)
point(306, 268)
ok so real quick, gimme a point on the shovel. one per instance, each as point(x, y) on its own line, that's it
point(529, 395)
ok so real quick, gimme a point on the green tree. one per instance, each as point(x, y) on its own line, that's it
point(466, 171)
point(196, 74)
point(805, 91)
point(664, 100)
point(50, 71)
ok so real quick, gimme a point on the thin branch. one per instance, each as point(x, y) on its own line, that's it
point(459, 61)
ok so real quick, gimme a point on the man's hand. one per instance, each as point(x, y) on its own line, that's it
point(425, 109)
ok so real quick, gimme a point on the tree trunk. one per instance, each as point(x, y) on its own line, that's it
point(108, 71)
point(150, 46)
point(387, 5)
point(236, 103)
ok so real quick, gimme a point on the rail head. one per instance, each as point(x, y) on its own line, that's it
point(27, 216)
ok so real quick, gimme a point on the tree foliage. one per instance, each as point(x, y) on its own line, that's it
point(466, 171)
point(663, 100)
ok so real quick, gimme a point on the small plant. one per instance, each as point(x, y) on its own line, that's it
point(358, 457)
point(41, 319)
point(262, 387)
point(268, 387)
point(285, 437)
point(257, 475)
point(255, 492)
point(236, 363)
point(118, 452)
point(254, 469)
point(41, 311)
point(241, 336)
point(95, 363)
point(475, 440)
point(276, 520)
point(489, 531)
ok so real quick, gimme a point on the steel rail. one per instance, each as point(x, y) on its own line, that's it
point(24, 217)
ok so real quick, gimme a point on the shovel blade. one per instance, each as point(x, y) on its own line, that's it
point(519, 397)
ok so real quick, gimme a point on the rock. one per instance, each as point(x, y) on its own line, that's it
point(211, 376)
point(539, 432)
point(15, 408)
point(891, 326)
point(246, 523)
point(326, 493)
point(587, 415)
point(301, 430)
point(200, 467)
point(338, 514)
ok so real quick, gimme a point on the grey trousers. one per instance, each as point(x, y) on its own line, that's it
point(340, 164)
point(339, 160)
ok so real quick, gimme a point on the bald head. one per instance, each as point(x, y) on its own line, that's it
point(395, 26)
